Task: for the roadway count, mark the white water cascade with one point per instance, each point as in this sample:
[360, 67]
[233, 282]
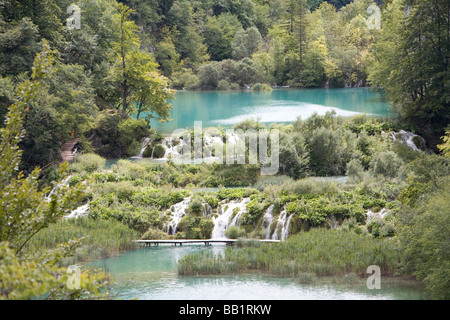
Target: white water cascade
[267, 221]
[283, 225]
[78, 212]
[285, 230]
[381, 214]
[280, 224]
[408, 139]
[226, 210]
[178, 211]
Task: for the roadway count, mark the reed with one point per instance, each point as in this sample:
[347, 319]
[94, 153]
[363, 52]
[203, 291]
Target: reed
[318, 252]
[102, 238]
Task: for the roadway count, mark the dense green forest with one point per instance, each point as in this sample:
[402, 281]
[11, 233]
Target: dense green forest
[125, 56]
[103, 82]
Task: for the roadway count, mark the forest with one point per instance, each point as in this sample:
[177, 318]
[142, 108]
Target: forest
[102, 83]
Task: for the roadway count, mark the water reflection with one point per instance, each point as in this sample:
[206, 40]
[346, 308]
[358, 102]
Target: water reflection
[150, 274]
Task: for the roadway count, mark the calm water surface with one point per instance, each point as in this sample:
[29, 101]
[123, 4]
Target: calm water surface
[150, 274]
[281, 105]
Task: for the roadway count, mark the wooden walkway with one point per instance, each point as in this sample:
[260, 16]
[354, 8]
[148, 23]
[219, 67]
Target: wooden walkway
[67, 149]
[207, 242]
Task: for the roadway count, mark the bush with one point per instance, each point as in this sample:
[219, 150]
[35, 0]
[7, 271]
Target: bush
[262, 87]
[88, 162]
[326, 152]
[234, 232]
[355, 170]
[117, 137]
[424, 238]
[158, 151]
[154, 234]
[386, 163]
[223, 85]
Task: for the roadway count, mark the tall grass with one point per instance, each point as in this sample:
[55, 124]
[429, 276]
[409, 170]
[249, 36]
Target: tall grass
[102, 238]
[318, 252]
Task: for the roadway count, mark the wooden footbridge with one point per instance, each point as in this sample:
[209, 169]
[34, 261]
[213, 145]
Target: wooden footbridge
[67, 150]
[207, 242]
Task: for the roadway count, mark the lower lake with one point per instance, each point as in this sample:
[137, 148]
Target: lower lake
[150, 273]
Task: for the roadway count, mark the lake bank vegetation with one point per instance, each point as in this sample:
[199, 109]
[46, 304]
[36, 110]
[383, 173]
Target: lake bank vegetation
[103, 83]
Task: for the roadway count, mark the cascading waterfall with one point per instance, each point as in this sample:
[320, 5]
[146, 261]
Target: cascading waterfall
[267, 221]
[207, 210]
[172, 149]
[408, 138]
[381, 214]
[222, 222]
[280, 224]
[178, 211]
[78, 212]
[285, 230]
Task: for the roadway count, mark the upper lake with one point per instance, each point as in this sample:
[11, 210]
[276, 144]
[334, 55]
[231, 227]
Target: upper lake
[227, 108]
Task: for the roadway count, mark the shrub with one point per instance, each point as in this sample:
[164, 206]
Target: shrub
[156, 151]
[89, 162]
[154, 234]
[159, 151]
[386, 163]
[223, 85]
[326, 152]
[234, 86]
[117, 137]
[262, 87]
[355, 170]
[234, 232]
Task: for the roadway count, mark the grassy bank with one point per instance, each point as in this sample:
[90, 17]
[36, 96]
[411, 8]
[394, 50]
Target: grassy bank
[318, 252]
[101, 238]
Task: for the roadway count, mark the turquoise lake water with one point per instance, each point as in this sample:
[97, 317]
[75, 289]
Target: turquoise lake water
[281, 105]
[151, 274]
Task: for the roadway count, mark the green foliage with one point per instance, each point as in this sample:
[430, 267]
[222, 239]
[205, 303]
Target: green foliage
[102, 238]
[219, 33]
[355, 170]
[196, 227]
[419, 95]
[234, 232]
[386, 164]
[117, 137]
[156, 151]
[42, 278]
[245, 43]
[445, 147]
[318, 252]
[262, 87]
[424, 238]
[25, 210]
[88, 162]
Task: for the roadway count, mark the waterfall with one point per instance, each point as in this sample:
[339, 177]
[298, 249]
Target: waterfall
[222, 222]
[283, 224]
[63, 183]
[171, 148]
[178, 211]
[206, 209]
[409, 139]
[79, 212]
[280, 223]
[381, 214]
[267, 221]
[144, 146]
[285, 230]
[333, 222]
